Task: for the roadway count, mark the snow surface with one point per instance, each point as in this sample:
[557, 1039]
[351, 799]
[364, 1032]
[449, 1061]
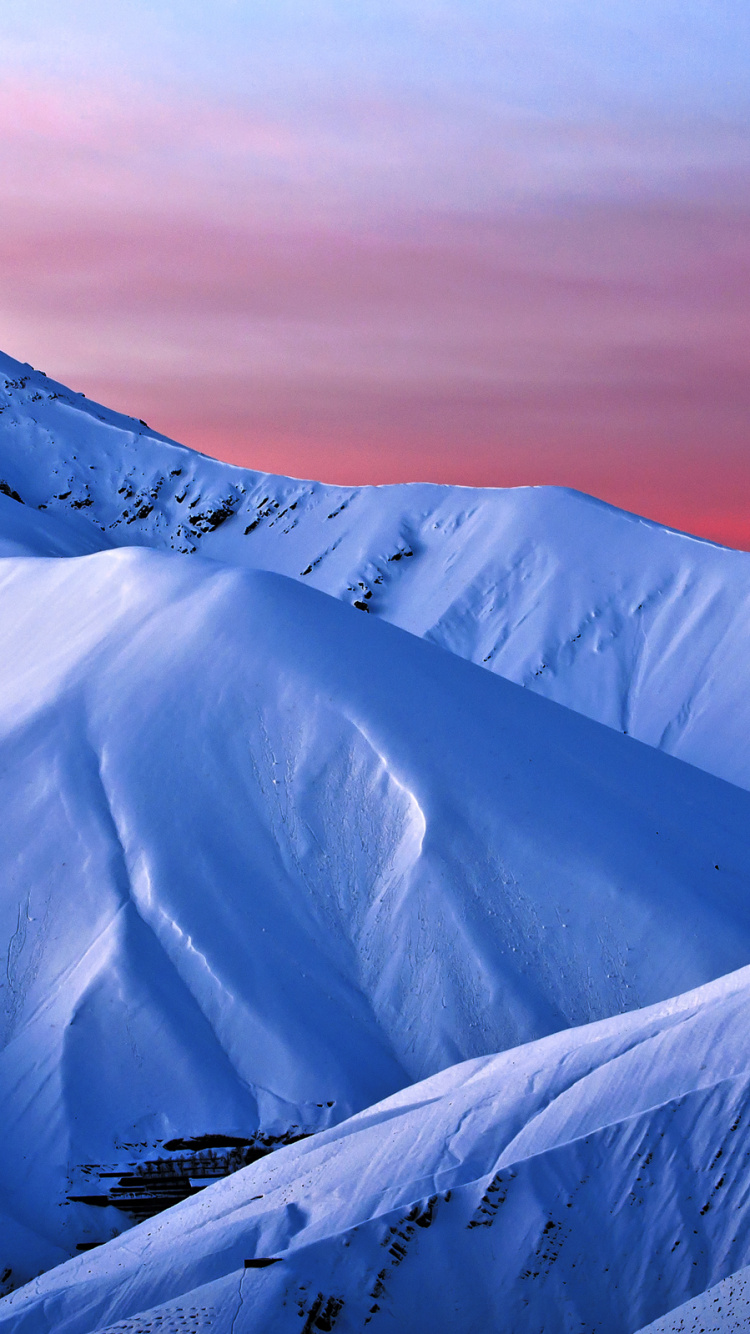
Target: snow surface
[723, 1309]
[588, 1182]
[266, 861]
[634, 625]
[25, 532]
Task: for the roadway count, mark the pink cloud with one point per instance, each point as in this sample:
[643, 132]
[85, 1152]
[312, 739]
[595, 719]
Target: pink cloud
[145, 255]
[110, 120]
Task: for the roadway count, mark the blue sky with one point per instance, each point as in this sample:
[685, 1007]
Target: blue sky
[554, 58]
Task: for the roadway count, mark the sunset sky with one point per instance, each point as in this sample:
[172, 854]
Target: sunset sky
[491, 242]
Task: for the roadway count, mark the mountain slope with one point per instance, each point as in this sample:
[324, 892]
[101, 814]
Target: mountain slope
[632, 624]
[721, 1309]
[266, 860]
[586, 1182]
[26, 532]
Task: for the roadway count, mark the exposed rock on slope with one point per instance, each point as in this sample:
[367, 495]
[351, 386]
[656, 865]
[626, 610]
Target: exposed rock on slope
[588, 1182]
[266, 860]
[722, 1309]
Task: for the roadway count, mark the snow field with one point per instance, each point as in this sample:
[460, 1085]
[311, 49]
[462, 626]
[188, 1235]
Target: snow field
[625, 621]
[588, 1181]
[268, 862]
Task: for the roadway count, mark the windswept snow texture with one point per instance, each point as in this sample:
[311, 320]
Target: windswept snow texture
[587, 1182]
[634, 625]
[265, 861]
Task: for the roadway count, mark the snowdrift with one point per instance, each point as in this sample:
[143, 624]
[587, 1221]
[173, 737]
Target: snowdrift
[266, 861]
[632, 624]
[589, 1181]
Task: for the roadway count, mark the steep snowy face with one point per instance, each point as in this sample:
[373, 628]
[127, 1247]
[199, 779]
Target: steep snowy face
[636, 626]
[590, 1181]
[266, 860]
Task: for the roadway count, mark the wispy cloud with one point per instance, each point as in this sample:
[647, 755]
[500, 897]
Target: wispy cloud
[393, 276]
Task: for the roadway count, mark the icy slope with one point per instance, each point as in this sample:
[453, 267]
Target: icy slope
[266, 860]
[587, 1182]
[639, 627]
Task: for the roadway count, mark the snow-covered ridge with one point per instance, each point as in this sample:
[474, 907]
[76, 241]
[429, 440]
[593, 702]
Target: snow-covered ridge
[723, 1308]
[591, 1181]
[266, 860]
[632, 624]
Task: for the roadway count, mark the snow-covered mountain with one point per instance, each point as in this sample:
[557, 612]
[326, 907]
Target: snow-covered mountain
[268, 860]
[723, 1308]
[591, 1181]
[634, 625]
[265, 861]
